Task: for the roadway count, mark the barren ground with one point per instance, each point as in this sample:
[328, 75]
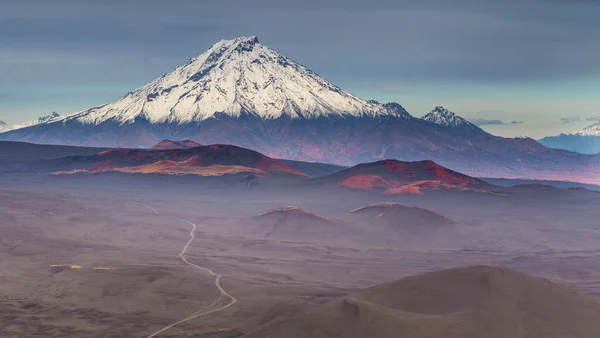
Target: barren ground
[143, 286]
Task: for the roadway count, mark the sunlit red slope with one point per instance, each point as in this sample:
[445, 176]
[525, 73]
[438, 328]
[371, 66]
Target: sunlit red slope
[212, 160]
[396, 177]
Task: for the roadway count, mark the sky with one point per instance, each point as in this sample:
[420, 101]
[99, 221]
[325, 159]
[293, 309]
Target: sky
[517, 68]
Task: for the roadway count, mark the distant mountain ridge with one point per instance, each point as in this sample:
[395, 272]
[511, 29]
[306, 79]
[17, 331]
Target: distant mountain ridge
[585, 140]
[592, 130]
[244, 93]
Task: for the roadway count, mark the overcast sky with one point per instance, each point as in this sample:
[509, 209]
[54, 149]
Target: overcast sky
[525, 67]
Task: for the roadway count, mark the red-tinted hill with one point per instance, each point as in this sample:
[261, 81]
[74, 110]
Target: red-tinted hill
[168, 144]
[396, 177]
[212, 160]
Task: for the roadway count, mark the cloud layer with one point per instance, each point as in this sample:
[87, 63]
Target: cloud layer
[486, 122]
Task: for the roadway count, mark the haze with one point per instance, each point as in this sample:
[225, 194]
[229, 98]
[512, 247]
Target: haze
[322, 169]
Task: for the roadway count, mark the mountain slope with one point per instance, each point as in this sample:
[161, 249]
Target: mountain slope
[243, 93]
[396, 177]
[477, 301]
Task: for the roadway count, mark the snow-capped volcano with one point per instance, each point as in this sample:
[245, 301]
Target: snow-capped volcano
[235, 77]
[593, 130]
[443, 117]
[243, 93]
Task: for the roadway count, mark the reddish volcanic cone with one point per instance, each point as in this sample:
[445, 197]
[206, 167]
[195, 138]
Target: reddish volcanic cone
[397, 177]
[213, 160]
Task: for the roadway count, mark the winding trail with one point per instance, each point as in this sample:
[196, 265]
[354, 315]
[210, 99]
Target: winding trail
[217, 305]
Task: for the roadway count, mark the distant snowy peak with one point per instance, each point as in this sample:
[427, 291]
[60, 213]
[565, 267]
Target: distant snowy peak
[235, 77]
[593, 130]
[443, 117]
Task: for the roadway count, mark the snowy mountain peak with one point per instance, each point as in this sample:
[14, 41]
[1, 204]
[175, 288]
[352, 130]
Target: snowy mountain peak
[235, 77]
[444, 113]
[593, 130]
[444, 117]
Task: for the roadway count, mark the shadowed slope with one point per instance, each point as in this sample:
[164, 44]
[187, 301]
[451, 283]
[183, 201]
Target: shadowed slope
[21, 151]
[479, 301]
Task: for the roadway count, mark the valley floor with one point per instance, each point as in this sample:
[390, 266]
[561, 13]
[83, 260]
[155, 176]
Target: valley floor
[87, 260]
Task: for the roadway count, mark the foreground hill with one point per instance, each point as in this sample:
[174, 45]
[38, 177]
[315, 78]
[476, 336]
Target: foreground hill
[475, 302]
[244, 93]
[393, 177]
[212, 160]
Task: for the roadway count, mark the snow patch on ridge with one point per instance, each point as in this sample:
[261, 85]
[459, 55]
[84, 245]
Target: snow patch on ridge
[593, 130]
[443, 117]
